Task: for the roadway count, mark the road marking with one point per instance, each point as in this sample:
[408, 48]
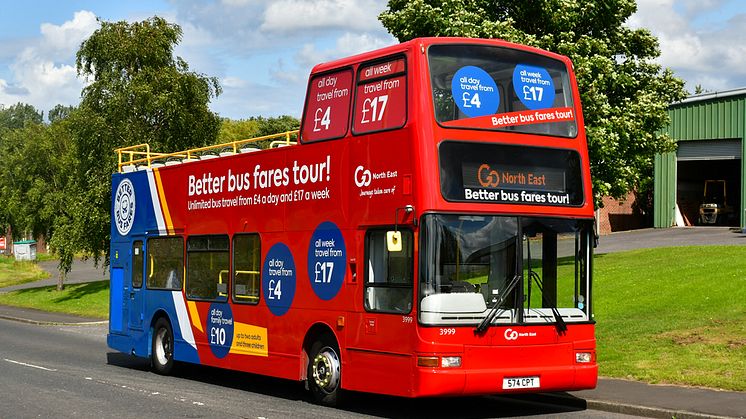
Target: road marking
[29, 365]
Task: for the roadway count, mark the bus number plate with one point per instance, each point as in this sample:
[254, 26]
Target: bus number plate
[520, 382]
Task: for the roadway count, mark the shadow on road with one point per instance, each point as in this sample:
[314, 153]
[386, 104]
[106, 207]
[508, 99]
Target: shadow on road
[371, 404]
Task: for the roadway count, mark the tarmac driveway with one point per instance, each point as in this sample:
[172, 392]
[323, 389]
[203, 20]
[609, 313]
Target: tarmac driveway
[665, 237]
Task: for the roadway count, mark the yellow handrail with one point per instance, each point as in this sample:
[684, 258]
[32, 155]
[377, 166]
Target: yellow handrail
[140, 154]
[253, 274]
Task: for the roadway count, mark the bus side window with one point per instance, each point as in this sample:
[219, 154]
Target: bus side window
[165, 263]
[247, 269]
[137, 264]
[388, 284]
[207, 267]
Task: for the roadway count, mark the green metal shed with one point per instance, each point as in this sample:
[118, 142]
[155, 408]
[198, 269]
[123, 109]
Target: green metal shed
[709, 130]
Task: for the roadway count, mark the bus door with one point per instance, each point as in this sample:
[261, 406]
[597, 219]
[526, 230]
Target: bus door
[118, 304]
[387, 319]
[134, 280]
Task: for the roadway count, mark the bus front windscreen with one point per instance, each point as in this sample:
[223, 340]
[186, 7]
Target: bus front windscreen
[510, 269]
[495, 88]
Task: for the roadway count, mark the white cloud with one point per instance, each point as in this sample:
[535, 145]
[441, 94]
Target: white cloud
[43, 73]
[356, 43]
[66, 38]
[281, 74]
[298, 15]
[233, 83]
[345, 45]
[262, 51]
[696, 41]
[236, 3]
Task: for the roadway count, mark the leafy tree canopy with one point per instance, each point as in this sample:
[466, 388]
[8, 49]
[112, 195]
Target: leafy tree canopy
[142, 90]
[60, 112]
[256, 126]
[138, 93]
[624, 94]
[16, 116]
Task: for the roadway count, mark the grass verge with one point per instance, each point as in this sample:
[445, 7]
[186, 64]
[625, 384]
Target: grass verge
[673, 315]
[89, 300]
[13, 272]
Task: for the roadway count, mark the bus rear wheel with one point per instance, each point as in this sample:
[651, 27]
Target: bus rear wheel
[162, 353]
[325, 372]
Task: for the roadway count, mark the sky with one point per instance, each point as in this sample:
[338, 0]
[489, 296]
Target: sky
[262, 51]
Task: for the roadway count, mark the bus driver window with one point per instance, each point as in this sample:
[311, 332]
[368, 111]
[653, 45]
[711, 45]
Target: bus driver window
[388, 285]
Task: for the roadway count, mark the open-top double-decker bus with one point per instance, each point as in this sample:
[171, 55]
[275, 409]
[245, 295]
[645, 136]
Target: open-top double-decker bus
[428, 232]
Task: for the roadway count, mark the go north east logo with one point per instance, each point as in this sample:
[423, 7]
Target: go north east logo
[487, 177]
[124, 207]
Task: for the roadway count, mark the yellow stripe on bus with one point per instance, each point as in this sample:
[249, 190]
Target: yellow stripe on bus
[194, 315]
[164, 204]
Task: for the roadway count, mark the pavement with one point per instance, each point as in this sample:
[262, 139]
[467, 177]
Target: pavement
[611, 395]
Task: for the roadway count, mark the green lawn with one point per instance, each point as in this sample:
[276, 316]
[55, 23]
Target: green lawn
[14, 273]
[673, 315]
[90, 300]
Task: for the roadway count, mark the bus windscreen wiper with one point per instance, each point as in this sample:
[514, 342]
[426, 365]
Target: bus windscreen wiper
[484, 324]
[559, 321]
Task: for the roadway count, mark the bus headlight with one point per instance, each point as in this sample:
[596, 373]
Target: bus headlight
[450, 362]
[583, 357]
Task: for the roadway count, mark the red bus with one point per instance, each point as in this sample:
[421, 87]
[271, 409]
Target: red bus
[428, 232]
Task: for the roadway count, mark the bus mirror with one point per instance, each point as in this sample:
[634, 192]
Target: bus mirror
[393, 241]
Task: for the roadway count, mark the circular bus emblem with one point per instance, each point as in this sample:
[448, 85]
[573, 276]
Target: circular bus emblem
[124, 207]
[488, 177]
[511, 334]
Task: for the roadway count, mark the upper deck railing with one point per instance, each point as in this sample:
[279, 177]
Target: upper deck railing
[139, 156]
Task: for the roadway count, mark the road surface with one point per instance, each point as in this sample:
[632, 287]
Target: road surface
[67, 371]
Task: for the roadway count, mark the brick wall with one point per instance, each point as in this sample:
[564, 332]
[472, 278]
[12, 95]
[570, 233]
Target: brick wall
[621, 215]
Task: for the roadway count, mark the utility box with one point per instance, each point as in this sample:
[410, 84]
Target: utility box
[25, 250]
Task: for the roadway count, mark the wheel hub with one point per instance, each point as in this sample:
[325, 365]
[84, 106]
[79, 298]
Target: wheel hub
[326, 370]
[162, 347]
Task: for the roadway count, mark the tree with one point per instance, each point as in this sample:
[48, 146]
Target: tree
[18, 115]
[232, 130]
[698, 90]
[625, 96]
[256, 126]
[13, 118]
[138, 93]
[60, 112]
[35, 180]
[142, 90]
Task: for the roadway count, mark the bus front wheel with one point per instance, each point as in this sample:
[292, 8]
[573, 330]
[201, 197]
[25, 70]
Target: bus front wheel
[325, 371]
[162, 354]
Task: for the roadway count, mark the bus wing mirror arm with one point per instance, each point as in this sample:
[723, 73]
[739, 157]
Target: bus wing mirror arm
[393, 238]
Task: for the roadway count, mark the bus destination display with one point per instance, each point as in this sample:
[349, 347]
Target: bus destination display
[513, 184]
[509, 174]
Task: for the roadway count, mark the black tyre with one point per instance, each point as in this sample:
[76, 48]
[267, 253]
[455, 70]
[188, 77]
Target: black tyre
[325, 371]
[162, 353]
